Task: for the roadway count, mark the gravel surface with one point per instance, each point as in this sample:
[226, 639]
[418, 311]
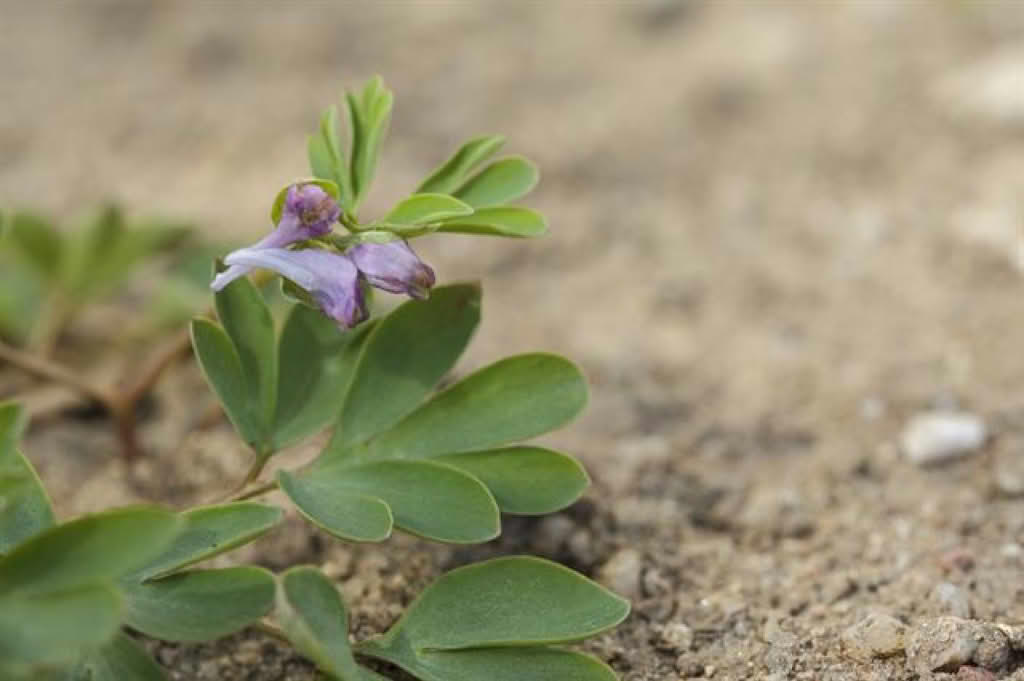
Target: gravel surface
[780, 233]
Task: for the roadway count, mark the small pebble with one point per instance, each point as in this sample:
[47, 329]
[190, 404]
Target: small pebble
[877, 635]
[967, 673]
[676, 636]
[948, 643]
[934, 437]
[621, 573]
[952, 600]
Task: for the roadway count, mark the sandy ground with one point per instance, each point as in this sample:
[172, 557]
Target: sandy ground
[778, 232]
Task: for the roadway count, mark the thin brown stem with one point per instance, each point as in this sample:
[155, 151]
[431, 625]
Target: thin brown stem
[58, 373]
[254, 492]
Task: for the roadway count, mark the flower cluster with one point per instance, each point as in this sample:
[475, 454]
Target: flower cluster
[333, 279]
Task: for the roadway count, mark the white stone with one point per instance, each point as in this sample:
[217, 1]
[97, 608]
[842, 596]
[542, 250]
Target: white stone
[938, 436]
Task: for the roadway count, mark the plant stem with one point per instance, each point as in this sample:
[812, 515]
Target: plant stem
[254, 492]
[58, 373]
[271, 630]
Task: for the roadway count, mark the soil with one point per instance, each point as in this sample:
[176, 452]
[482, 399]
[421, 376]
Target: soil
[779, 231]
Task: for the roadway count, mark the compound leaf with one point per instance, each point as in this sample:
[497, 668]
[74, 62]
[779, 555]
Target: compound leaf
[509, 401]
[421, 209]
[499, 182]
[510, 221]
[404, 358]
[450, 175]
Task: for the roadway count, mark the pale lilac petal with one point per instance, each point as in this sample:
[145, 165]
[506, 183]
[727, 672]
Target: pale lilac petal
[229, 275]
[331, 278]
[393, 267]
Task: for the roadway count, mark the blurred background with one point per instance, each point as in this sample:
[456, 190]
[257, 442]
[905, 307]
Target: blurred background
[778, 231]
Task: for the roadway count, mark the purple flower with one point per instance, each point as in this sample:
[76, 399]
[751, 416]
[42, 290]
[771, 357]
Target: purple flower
[393, 267]
[331, 278]
[308, 212]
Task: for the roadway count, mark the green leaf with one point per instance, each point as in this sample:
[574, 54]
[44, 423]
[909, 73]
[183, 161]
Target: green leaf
[428, 499]
[316, 363]
[509, 401]
[326, 159]
[25, 509]
[421, 209]
[38, 242]
[498, 664]
[450, 175]
[314, 618]
[199, 605]
[525, 480]
[348, 516]
[93, 547]
[511, 221]
[404, 358]
[247, 321]
[120, 660]
[370, 115]
[277, 207]
[210, 531]
[513, 601]
[223, 370]
[499, 182]
[54, 628]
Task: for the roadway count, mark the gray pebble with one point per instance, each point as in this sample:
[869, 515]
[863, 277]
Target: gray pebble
[877, 635]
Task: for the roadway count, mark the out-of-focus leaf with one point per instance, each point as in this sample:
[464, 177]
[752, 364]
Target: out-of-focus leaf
[525, 480]
[404, 358]
[94, 547]
[55, 628]
[450, 175]
[25, 509]
[209, 531]
[499, 182]
[37, 241]
[120, 660]
[510, 221]
[199, 605]
[509, 401]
